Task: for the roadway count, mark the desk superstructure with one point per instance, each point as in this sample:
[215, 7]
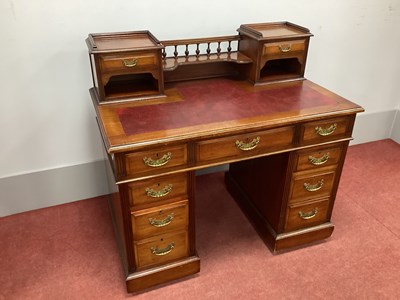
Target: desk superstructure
[240, 100]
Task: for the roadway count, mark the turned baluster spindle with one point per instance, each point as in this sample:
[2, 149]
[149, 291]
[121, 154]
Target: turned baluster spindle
[176, 51]
[197, 50]
[219, 48]
[229, 48]
[187, 51]
[164, 54]
[208, 49]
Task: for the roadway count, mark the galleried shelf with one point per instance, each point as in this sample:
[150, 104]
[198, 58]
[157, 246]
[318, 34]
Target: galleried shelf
[135, 65]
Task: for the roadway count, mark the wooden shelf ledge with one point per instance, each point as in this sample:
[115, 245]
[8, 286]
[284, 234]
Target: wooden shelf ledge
[171, 63]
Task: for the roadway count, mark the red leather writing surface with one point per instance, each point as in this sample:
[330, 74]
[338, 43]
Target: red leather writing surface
[218, 100]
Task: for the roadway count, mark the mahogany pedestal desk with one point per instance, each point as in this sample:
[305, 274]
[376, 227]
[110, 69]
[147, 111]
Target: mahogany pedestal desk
[285, 143]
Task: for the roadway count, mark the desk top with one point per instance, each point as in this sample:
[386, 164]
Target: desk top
[213, 107]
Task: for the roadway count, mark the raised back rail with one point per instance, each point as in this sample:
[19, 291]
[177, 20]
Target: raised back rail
[201, 50]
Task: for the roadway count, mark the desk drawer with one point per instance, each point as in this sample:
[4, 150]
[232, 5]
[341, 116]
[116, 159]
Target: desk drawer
[326, 130]
[245, 145]
[129, 63]
[284, 49]
[157, 189]
[159, 220]
[155, 160]
[305, 215]
[161, 249]
[311, 186]
[315, 158]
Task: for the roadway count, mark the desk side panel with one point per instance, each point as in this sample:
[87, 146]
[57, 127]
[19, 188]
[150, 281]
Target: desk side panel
[116, 211]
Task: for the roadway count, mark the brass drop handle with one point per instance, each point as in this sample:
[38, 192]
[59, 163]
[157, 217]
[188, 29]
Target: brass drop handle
[285, 48]
[130, 63]
[247, 146]
[314, 187]
[163, 251]
[317, 161]
[325, 131]
[160, 193]
[162, 223]
[157, 162]
[308, 215]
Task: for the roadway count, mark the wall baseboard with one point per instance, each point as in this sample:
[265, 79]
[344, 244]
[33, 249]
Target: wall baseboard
[52, 187]
[62, 185]
[395, 135]
[373, 126]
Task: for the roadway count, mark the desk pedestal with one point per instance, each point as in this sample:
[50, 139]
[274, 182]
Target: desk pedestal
[288, 206]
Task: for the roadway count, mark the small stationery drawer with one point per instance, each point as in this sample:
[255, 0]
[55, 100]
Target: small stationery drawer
[161, 249]
[318, 157]
[155, 160]
[310, 214]
[127, 63]
[249, 144]
[157, 189]
[326, 130]
[306, 186]
[284, 48]
[158, 220]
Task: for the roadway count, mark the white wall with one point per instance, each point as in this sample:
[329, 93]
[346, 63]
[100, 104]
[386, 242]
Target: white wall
[47, 120]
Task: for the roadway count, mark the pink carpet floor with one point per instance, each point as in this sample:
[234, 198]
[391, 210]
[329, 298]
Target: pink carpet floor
[69, 251]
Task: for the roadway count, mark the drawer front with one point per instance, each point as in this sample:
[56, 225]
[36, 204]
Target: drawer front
[159, 220]
[305, 215]
[161, 249]
[318, 157]
[284, 48]
[157, 189]
[325, 130]
[245, 145]
[155, 160]
[127, 63]
[314, 186]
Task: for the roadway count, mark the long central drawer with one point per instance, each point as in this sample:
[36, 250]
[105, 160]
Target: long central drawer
[244, 145]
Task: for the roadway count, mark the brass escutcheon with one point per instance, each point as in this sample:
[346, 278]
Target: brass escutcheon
[314, 187]
[164, 251]
[160, 193]
[325, 131]
[157, 162]
[130, 63]
[162, 223]
[308, 215]
[247, 146]
[285, 48]
[317, 161]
